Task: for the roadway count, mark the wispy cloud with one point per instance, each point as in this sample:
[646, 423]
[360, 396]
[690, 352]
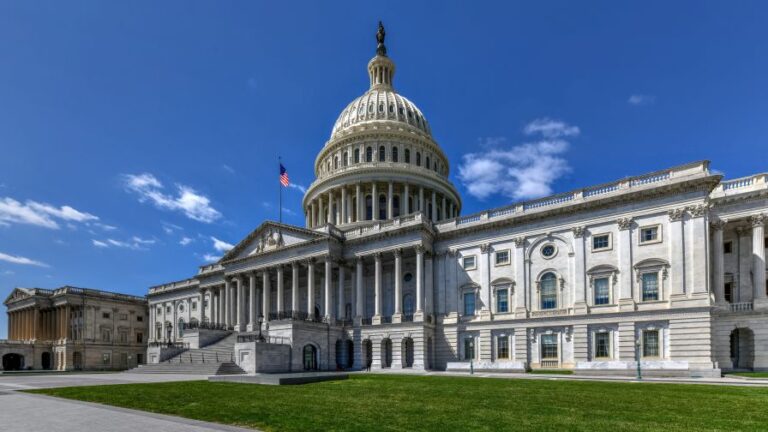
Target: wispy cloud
[191, 203]
[641, 99]
[211, 258]
[185, 241]
[220, 245]
[521, 171]
[135, 243]
[170, 228]
[40, 214]
[228, 168]
[105, 227]
[298, 187]
[16, 259]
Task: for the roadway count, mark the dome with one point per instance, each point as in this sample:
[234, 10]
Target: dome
[380, 105]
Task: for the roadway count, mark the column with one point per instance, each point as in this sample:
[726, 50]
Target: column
[232, 297]
[421, 202]
[328, 307]
[718, 278]
[374, 202]
[240, 304]
[443, 209]
[397, 317]
[313, 215]
[626, 302]
[294, 287]
[280, 291]
[419, 283]
[758, 258]
[579, 282]
[252, 311]
[377, 288]
[404, 204]
[266, 291]
[35, 325]
[320, 210]
[359, 202]
[343, 206]
[434, 206]
[484, 265]
[341, 301]
[359, 306]
[223, 301]
[699, 267]
[331, 213]
[202, 305]
[174, 322]
[67, 314]
[390, 193]
[677, 256]
[311, 288]
[521, 311]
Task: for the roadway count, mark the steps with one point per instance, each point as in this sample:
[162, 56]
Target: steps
[214, 359]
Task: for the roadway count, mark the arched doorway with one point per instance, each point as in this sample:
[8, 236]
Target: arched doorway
[742, 348]
[407, 352]
[350, 354]
[45, 361]
[181, 328]
[168, 332]
[13, 361]
[367, 353]
[386, 353]
[310, 357]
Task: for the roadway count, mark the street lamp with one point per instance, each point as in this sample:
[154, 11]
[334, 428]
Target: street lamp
[639, 372]
[261, 321]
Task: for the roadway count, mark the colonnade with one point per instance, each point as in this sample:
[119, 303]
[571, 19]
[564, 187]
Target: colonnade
[377, 201]
[245, 298]
[757, 267]
[39, 324]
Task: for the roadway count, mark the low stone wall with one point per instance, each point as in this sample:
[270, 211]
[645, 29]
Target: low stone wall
[157, 354]
[203, 337]
[263, 357]
[487, 366]
[659, 368]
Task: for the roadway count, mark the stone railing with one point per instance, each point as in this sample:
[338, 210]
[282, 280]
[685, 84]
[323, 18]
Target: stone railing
[741, 185]
[210, 268]
[186, 283]
[96, 293]
[577, 196]
[378, 226]
[262, 338]
[551, 313]
[741, 307]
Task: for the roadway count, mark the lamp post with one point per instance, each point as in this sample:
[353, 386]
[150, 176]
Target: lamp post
[639, 372]
[261, 321]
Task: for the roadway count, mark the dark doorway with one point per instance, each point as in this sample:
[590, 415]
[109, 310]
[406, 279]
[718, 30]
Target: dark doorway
[350, 354]
[46, 361]
[407, 353]
[367, 353]
[13, 361]
[310, 357]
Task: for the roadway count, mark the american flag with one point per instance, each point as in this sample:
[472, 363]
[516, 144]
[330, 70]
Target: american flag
[284, 176]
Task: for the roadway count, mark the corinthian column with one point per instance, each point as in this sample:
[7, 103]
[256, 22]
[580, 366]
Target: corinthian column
[397, 317]
[419, 283]
[377, 288]
[311, 288]
[327, 290]
[758, 258]
[240, 305]
[359, 308]
[718, 279]
[266, 291]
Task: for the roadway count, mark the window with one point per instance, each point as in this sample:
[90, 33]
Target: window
[502, 347]
[408, 304]
[469, 263]
[357, 155]
[408, 277]
[602, 345]
[728, 247]
[651, 343]
[382, 154]
[650, 234]
[106, 359]
[194, 306]
[601, 242]
[369, 154]
[650, 286]
[168, 309]
[123, 337]
[139, 337]
[469, 303]
[549, 347]
[123, 317]
[502, 300]
[548, 251]
[602, 291]
[394, 154]
[106, 336]
[502, 257]
[140, 318]
[407, 155]
[548, 287]
[426, 165]
[106, 315]
[728, 291]
[181, 308]
[336, 162]
[469, 348]
[418, 159]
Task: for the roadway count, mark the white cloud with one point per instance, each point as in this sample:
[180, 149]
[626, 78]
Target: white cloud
[99, 243]
[192, 204]
[39, 214]
[298, 187]
[15, 259]
[211, 258]
[135, 243]
[228, 168]
[170, 228]
[185, 241]
[519, 172]
[105, 227]
[221, 246]
[641, 99]
[549, 128]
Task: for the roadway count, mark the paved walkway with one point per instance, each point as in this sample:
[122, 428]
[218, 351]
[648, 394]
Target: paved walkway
[31, 412]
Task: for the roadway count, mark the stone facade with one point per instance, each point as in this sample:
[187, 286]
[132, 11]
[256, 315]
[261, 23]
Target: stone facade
[665, 268]
[74, 329]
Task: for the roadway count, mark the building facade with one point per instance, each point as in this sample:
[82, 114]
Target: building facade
[666, 268]
[73, 328]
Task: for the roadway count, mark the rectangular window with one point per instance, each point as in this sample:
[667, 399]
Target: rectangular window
[649, 234]
[168, 309]
[651, 343]
[602, 345]
[469, 348]
[123, 317]
[469, 263]
[502, 257]
[105, 315]
[106, 336]
[650, 286]
[728, 247]
[549, 347]
[194, 306]
[139, 318]
[502, 301]
[139, 337]
[469, 304]
[602, 291]
[728, 289]
[106, 359]
[123, 337]
[601, 242]
[502, 347]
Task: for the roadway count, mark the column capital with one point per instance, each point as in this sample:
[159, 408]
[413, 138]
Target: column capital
[377, 256]
[359, 259]
[294, 265]
[398, 252]
[718, 224]
[624, 223]
[419, 249]
[757, 220]
[578, 231]
[676, 215]
[698, 210]
[519, 241]
[485, 247]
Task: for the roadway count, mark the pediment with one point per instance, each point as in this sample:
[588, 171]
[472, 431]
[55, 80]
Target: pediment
[17, 294]
[268, 237]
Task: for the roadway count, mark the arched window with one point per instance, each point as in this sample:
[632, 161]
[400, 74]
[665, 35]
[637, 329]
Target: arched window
[394, 154]
[382, 207]
[435, 166]
[382, 154]
[357, 155]
[336, 162]
[181, 327]
[391, 108]
[345, 159]
[548, 291]
[395, 206]
[426, 165]
[418, 159]
[368, 207]
[407, 156]
[369, 154]
[310, 357]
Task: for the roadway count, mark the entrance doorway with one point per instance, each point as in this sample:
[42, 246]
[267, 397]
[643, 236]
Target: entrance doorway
[407, 353]
[350, 354]
[46, 361]
[386, 353]
[742, 348]
[13, 361]
[310, 357]
[367, 353]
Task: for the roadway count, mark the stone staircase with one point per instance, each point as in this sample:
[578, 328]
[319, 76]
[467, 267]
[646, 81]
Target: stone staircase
[214, 359]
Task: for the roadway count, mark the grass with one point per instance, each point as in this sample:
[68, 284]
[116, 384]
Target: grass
[751, 374]
[551, 371]
[430, 403]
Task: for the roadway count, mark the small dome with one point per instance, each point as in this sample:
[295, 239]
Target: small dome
[380, 105]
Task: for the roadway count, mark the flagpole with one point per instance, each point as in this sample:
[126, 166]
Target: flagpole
[280, 187]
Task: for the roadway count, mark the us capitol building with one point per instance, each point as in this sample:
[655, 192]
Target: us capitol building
[666, 268]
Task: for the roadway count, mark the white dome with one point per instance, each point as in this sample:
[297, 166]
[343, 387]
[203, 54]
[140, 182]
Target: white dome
[380, 105]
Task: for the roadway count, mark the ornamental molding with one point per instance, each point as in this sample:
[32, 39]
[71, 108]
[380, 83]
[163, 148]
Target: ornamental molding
[624, 223]
[676, 215]
[757, 220]
[578, 232]
[519, 241]
[485, 248]
[718, 224]
[698, 210]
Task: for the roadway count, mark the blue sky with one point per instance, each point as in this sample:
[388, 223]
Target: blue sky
[139, 139]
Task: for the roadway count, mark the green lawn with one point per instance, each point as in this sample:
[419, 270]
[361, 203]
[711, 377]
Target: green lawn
[751, 374]
[429, 403]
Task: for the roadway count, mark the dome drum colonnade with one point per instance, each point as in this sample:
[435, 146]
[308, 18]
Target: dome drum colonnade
[381, 161]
